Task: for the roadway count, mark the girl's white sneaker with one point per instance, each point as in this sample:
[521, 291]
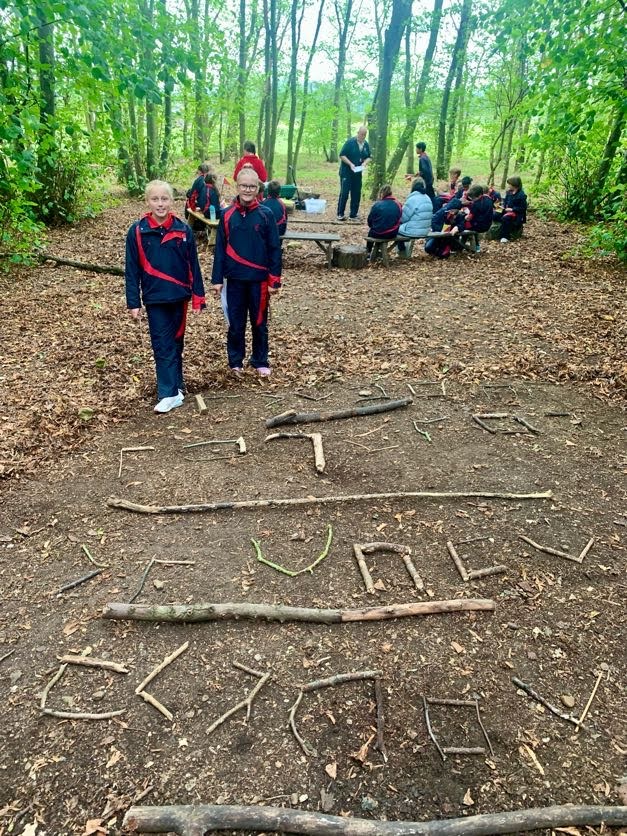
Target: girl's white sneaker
[166, 404]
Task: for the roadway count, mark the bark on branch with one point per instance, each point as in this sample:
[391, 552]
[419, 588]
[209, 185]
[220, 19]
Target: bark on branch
[191, 613]
[293, 417]
[197, 820]
[127, 505]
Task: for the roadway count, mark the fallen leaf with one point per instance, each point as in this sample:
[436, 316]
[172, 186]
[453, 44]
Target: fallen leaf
[468, 799]
[378, 584]
[528, 752]
[331, 770]
[94, 826]
[458, 648]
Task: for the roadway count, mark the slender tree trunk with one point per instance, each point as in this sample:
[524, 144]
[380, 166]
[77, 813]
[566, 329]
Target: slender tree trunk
[295, 30]
[46, 144]
[343, 20]
[521, 152]
[185, 122]
[540, 168]
[241, 74]
[611, 146]
[508, 154]
[407, 91]
[168, 89]
[401, 12]
[135, 139]
[306, 94]
[412, 116]
[456, 58]
[126, 171]
[273, 110]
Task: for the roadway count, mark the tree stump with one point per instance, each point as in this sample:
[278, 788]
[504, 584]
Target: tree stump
[350, 257]
[494, 233]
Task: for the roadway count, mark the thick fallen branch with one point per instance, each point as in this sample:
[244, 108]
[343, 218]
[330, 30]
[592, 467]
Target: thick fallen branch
[192, 613]
[293, 417]
[127, 505]
[82, 265]
[197, 820]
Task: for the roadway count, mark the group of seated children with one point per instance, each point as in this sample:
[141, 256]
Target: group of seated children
[204, 197]
[463, 208]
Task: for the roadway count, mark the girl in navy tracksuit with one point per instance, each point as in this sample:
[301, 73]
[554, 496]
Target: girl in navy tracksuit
[384, 218]
[514, 213]
[276, 205]
[197, 193]
[162, 271]
[248, 259]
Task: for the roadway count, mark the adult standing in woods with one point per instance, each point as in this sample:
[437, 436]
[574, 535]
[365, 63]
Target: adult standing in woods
[354, 157]
[250, 157]
[425, 170]
[246, 271]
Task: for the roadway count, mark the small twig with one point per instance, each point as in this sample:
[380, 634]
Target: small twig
[431, 420]
[382, 390]
[6, 655]
[483, 426]
[316, 440]
[175, 562]
[411, 389]
[430, 730]
[44, 694]
[92, 662]
[548, 549]
[167, 661]
[91, 559]
[307, 749]
[557, 414]
[143, 580]
[156, 704]
[423, 433]
[131, 450]
[79, 581]
[526, 424]
[485, 734]
[378, 695]
[584, 713]
[200, 404]
[239, 441]
[312, 397]
[291, 572]
[83, 715]
[338, 679]
[252, 671]
[474, 574]
[245, 703]
[492, 415]
[535, 696]
[369, 432]
[464, 750]
[444, 701]
[363, 568]
[585, 550]
[457, 561]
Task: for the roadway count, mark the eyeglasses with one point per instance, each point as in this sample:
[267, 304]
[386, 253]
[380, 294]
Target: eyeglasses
[247, 187]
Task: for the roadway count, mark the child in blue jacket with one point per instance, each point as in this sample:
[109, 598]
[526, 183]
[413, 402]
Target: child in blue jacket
[276, 205]
[163, 272]
[514, 213]
[248, 259]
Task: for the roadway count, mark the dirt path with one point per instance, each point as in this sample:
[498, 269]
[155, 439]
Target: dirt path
[515, 330]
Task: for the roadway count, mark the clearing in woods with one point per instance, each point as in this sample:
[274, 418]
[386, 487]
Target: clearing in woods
[527, 331]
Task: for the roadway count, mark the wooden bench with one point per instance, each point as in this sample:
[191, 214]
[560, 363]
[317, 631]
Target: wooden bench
[208, 234]
[383, 246]
[324, 240]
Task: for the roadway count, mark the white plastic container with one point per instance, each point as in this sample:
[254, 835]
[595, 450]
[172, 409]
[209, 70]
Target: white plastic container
[315, 206]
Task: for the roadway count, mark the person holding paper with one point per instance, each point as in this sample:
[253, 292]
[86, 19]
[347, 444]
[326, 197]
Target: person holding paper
[354, 157]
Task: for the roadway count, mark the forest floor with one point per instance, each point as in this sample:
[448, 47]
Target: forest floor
[528, 329]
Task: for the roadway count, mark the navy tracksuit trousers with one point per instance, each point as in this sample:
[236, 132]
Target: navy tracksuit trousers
[247, 300]
[166, 322]
[351, 184]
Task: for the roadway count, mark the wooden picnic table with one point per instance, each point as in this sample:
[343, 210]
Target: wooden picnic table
[212, 226]
[384, 246]
[324, 240]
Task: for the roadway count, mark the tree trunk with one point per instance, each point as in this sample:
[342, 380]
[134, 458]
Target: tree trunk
[134, 139]
[241, 74]
[401, 12]
[521, 152]
[343, 17]
[168, 89]
[456, 58]
[46, 146]
[412, 115]
[507, 155]
[306, 94]
[611, 146]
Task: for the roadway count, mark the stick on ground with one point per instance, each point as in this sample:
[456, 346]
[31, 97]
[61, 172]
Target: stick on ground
[167, 661]
[246, 702]
[200, 819]
[204, 507]
[130, 450]
[316, 440]
[293, 417]
[193, 613]
[535, 696]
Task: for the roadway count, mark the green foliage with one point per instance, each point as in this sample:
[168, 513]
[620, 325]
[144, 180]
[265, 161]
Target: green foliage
[56, 196]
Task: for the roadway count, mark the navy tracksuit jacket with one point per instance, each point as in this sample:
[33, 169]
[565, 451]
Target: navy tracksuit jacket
[279, 211]
[248, 259]
[162, 271]
[384, 218]
[514, 213]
